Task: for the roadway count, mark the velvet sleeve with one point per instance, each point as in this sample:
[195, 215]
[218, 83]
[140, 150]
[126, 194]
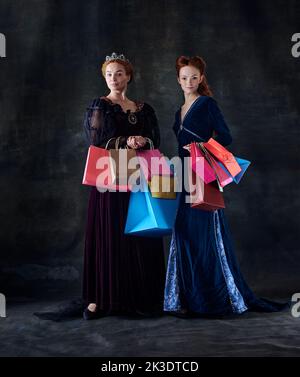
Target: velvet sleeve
[223, 135]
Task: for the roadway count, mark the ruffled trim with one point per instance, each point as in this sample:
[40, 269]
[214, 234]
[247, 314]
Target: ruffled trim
[96, 104]
[118, 108]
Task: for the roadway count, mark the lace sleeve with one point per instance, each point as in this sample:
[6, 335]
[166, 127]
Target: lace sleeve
[98, 131]
[93, 121]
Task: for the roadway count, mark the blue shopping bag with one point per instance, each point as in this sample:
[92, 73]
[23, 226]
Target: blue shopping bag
[244, 164]
[148, 216]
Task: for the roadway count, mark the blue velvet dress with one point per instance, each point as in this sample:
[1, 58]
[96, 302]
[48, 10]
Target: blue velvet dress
[203, 275]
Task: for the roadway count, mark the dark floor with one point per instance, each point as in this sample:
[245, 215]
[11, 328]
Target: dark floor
[251, 334]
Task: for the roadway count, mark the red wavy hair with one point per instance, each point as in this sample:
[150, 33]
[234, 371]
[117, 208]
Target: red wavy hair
[199, 63]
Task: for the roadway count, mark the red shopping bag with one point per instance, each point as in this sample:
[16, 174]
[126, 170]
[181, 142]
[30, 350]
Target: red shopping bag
[204, 196]
[223, 155]
[91, 171]
[222, 176]
[200, 165]
[98, 171]
[206, 166]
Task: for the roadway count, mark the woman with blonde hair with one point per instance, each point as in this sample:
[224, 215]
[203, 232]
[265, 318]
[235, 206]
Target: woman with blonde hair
[122, 274]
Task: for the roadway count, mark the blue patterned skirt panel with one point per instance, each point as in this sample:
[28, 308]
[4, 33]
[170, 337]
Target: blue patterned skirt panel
[203, 274]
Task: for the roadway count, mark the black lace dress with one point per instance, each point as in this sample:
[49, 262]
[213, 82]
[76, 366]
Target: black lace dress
[122, 273]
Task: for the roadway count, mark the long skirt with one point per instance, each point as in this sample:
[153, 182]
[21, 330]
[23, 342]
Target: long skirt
[203, 275]
[122, 274]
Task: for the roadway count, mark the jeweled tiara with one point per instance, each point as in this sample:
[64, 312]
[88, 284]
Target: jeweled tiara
[115, 56]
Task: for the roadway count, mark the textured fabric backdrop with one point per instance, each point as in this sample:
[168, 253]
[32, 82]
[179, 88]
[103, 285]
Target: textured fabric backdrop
[50, 74]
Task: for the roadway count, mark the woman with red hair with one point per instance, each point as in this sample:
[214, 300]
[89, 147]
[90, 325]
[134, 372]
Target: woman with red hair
[203, 276]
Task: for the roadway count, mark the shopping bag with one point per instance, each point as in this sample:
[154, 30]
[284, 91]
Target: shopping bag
[153, 162]
[205, 196]
[162, 186]
[91, 171]
[223, 177]
[200, 165]
[244, 164]
[123, 165]
[158, 173]
[223, 155]
[148, 216]
[208, 168]
[98, 171]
